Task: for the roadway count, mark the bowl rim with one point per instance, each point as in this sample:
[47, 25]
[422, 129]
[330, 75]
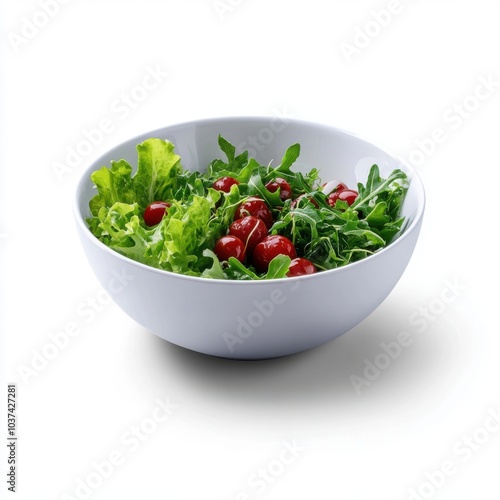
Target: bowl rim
[85, 175]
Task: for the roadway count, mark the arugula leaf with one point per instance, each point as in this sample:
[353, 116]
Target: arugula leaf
[239, 167]
[324, 252]
[256, 187]
[278, 267]
[237, 270]
[227, 148]
[299, 182]
[378, 217]
[370, 237]
[299, 224]
[380, 189]
[291, 154]
[381, 200]
[391, 229]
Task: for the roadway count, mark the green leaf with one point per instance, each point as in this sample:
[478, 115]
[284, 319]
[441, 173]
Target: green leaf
[278, 267]
[189, 183]
[214, 272]
[391, 229]
[121, 229]
[377, 217]
[184, 232]
[113, 184]
[240, 271]
[227, 148]
[299, 225]
[241, 173]
[377, 187]
[324, 252]
[291, 154]
[371, 237]
[256, 187]
[157, 170]
[224, 215]
[299, 182]
[236, 166]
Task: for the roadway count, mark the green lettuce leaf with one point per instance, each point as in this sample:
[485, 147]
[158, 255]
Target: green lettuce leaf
[121, 229]
[184, 232]
[157, 170]
[113, 184]
[215, 271]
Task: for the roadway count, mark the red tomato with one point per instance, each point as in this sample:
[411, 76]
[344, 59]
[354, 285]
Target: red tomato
[282, 185]
[270, 247]
[224, 184]
[333, 186]
[250, 230]
[301, 266]
[256, 207]
[154, 212]
[230, 246]
[348, 195]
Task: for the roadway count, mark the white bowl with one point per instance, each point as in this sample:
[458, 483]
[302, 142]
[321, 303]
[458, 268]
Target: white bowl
[256, 319]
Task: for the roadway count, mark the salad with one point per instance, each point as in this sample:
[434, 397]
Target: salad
[240, 219]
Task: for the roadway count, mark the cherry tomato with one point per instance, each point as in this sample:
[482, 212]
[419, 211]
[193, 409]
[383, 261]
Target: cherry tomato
[348, 195]
[256, 207]
[250, 230]
[154, 212]
[224, 184]
[300, 266]
[230, 246]
[333, 186]
[268, 248]
[282, 185]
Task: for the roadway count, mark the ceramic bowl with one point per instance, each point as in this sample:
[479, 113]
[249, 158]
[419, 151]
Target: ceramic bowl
[256, 319]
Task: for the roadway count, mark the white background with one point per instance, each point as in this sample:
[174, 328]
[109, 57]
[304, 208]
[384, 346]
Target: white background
[232, 419]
